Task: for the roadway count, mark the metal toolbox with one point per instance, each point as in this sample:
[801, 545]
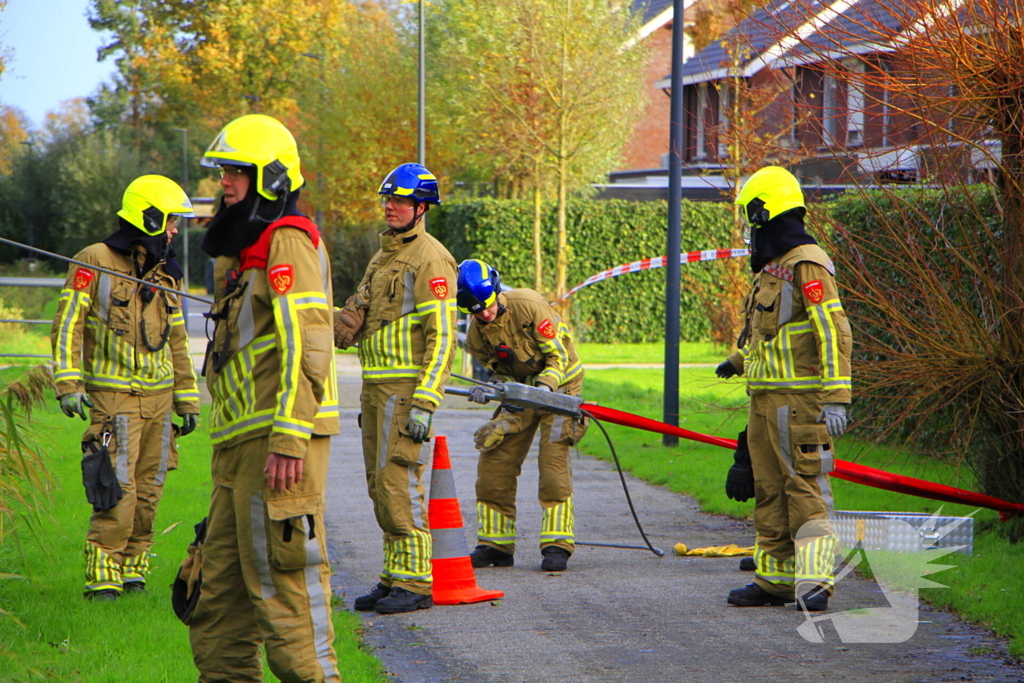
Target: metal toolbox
[881, 531]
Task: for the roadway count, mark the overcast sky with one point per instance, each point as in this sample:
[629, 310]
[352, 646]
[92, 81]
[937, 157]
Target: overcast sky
[52, 55]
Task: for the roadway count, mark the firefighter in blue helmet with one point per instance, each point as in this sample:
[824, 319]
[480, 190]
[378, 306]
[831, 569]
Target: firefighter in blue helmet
[403, 316]
[518, 337]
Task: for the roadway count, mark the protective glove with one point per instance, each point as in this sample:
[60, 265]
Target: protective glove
[188, 424]
[75, 403]
[725, 370]
[101, 485]
[480, 394]
[834, 417]
[543, 386]
[348, 321]
[739, 483]
[419, 424]
[491, 434]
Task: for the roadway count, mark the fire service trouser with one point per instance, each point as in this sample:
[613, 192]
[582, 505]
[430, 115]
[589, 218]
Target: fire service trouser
[265, 573]
[142, 451]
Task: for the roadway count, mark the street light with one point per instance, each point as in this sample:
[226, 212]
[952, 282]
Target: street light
[184, 231]
[319, 146]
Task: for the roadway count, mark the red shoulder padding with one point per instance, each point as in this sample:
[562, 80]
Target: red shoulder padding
[255, 255]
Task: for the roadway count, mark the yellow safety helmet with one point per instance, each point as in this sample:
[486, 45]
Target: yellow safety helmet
[264, 143]
[150, 199]
[769, 193]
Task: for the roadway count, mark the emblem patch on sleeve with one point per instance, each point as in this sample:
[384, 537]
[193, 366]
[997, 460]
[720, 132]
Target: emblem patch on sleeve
[82, 278]
[814, 291]
[281, 277]
[439, 286]
[547, 328]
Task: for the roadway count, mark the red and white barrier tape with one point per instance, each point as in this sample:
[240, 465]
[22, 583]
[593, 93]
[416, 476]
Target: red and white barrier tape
[657, 262]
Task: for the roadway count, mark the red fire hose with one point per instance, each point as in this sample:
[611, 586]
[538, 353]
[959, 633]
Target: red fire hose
[848, 471]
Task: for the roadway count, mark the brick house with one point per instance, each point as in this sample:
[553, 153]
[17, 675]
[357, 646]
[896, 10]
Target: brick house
[811, 75]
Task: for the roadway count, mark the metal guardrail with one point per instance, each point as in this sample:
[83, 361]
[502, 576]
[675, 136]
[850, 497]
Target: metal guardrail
[55, 282]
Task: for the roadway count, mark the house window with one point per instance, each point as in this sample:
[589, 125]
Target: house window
[887, 138]
[700, 133]
[855, 102]
[831, 111]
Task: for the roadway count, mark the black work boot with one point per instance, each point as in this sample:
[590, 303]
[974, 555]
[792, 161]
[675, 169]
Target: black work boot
[486, 556]
[747, 564]
[555, 559]
[366, 603]
[812, 597]
[105, 595]
[753, 595]
[402, 600]
[134, 587]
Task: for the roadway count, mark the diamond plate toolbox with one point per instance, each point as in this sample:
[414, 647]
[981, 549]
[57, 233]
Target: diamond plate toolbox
[883, 531]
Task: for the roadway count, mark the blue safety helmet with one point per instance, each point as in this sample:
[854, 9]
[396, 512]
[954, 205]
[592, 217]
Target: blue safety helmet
[411, 180]
[478, 286]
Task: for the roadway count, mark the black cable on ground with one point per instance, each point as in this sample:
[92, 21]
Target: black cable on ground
[657, 551]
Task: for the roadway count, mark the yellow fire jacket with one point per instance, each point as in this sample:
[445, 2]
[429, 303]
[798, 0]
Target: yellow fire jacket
[796, 337]
[112, 334]
[270, 366]
[409, 331]
[527, 343]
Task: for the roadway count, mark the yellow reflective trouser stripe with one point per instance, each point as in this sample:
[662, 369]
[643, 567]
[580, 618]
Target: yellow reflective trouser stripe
[442, 312]
[74, 304]
[494, 527]
[101, 571]
[409, 557]
[558, 523]
[770, 569]
[815, 559]
[136, 568]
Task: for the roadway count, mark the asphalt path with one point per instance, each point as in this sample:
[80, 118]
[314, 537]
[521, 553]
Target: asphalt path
[616, 615]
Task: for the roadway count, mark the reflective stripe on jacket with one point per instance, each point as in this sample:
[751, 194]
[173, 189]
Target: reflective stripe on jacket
[409, 331]
[799, 336]
[541, 350]
[109, 336]
[270, 367]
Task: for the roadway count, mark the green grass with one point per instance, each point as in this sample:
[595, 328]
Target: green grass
[645, 354]
[987, 588]
[61, 636]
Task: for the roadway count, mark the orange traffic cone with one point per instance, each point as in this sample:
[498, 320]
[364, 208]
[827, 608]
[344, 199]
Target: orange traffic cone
[454, 581]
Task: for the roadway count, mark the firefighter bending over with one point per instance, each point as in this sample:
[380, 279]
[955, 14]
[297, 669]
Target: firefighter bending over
[518, 337]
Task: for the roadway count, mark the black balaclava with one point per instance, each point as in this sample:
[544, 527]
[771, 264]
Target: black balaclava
[233, 228]
[157, 247]
[777, 237]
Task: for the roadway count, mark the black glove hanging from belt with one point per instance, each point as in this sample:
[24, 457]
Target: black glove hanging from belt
[101, 485]
[739, 483]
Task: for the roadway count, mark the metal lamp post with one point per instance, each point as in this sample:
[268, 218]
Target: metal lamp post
[184, 228]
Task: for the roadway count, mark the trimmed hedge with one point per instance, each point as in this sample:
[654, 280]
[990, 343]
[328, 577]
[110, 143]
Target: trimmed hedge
[601, 235]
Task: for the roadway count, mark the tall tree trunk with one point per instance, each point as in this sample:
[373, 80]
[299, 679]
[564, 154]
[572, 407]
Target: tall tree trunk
[538, 265]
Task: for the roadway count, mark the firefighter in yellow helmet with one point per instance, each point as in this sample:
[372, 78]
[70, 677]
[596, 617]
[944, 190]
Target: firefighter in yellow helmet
[121, 349]
[406, 307]
[794, 351]
[270, 371]
[516, 335]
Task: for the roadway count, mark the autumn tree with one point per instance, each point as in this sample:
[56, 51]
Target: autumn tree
[14, 131]
[547, 89]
